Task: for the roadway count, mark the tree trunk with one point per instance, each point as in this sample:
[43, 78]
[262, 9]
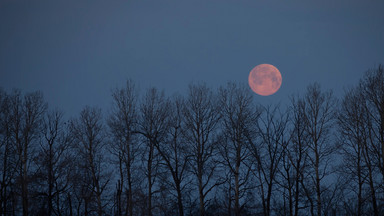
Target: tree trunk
[149, 169]
[118, 197]
[201, 193]
[297, 191]
[179, 199]
[269, 196]
[318, 189]
[370, 179]
[24, 184]
[130, 196]
[360, 182]
[237, 187]
[290, 200]
[50, 181]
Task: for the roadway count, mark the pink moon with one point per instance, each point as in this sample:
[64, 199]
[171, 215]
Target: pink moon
[265, 79]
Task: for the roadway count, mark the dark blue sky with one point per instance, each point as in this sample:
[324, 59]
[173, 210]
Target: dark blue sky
[77, 51]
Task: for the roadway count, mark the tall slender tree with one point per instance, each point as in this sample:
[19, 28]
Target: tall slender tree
[174, 153]
[88, 137]
[362, 125]
[8, 163]
[320, 117]
[201, 115]
[238, 118]
[125, 146]
[153, 126]
[27, 115]
[268, 150]
[295, 161]
[372, 86]
[353, 134]
[54, 162]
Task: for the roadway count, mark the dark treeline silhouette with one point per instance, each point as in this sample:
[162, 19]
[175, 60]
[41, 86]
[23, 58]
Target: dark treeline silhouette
[209, 152]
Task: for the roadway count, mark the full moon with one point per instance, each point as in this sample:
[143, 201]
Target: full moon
[265, 79]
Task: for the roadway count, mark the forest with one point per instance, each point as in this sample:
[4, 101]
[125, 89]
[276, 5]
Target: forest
[209, 152]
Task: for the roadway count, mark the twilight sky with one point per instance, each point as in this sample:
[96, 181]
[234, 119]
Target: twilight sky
[75, 51]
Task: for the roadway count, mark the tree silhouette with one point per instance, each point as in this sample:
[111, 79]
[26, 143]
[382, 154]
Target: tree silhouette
[88, 137]
[153, 126]
[123, 124]
[201, 115]
[320, 116]
[210, 152]
[238, 119]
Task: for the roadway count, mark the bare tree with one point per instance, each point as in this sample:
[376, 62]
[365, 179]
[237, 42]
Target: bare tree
[174, 153]
[361, 123]
[320, 116]
[238, 118]
[8, 163]
[354, 136]
[241, 159]
[153, 126]
[125, 146]
[362, 120]
[373, 91]
[54, 162]
[201, 115]
[26, 117]
[295, 156]
[268, 150]
[88, 136]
